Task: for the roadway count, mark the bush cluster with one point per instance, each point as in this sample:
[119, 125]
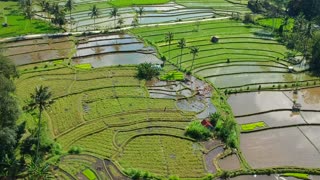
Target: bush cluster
[197, 131]
[147, 71]
[137, 174]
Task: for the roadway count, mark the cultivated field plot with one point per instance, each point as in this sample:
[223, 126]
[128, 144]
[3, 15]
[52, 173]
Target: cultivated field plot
[245, 55]
[274, 119]
[110, 50]
[308, 98]
[153, 14]
[282, 147]
[38, 50]
[105, 111]
[257, 102]
[176, 156]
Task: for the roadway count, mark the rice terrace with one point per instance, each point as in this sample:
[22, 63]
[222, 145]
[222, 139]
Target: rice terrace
[160, 89]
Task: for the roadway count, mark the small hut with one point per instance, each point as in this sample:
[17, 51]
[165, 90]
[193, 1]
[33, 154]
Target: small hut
[206, 123]
[214, 39]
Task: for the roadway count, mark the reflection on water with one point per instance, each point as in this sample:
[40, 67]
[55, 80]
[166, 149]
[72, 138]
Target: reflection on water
[118, 59]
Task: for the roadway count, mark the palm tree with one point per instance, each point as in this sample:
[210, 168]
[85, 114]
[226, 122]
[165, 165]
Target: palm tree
[194, 51]
[181, 45]
[140, 12]
[120, 22]
[113, 14]
[47, 9]
[41, 99]
[69, 7]
[94, 14]
[169, 38]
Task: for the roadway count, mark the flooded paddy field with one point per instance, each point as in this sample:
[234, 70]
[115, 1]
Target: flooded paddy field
[230, 162]
[110, 50]
[279, 147]
[274, 119]
[153, 14]
[308, 98]
[256, 102]
[38, 50]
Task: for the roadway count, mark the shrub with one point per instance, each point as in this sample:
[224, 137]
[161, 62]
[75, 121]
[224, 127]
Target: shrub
[147, 71]
[197, 131]
[136, 174]
[259, 88]
[248, 18]
[75, 150]
[214, 118]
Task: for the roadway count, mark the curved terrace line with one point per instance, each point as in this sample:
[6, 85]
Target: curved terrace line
[233, 65]
[244, 72]
[264, 83]
[218, 62]
[274, 110]
[280, 127]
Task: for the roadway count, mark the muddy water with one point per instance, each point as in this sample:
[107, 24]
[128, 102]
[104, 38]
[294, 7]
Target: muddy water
[274, 119]
[39, 56]
[230, 163]
[279, 147]
[107, 42]
[209, 159]
[311, 117]
[312, 132]
[248, 103]
[118, 59]
[193, 104]
[109, 49]
[308, 98]
[31, 51]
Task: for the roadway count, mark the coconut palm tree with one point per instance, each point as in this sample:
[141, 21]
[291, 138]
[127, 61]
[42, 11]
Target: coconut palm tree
[140, 12]
[41, 99]
[181, 45]
[113, 14]
[120, 22]
[169, 37]
[194, 51]
[47, 8]
[69, 6]
[94, 14]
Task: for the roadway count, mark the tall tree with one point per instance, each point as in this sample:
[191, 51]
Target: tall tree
[181, 45]
[114, 13]
[94, 13]
[69, 7]
[140, 12]
[194, 51]
[315, 60]
[40, 100]
[120, 21]
[10, 133]
[168, 38]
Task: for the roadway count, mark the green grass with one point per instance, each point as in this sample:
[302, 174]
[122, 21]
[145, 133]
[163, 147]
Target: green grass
[18, 25]
[248, 44]
[83, 66]
[276, 22]
[172, 76]
[89, 174]
[253, 126]
[122, 3]
[178, 155]
[296, 175]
